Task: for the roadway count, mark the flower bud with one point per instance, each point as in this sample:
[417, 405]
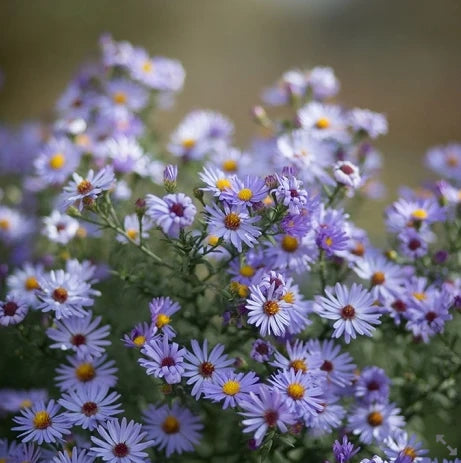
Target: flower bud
[170, 175]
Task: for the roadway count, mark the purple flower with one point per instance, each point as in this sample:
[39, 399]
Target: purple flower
[23, 282]
[372, 385]
[60, 228]
[445, 160]
[344, 450]
[86, 371]
[139, 335]
[217, 182]
[81, 334]
[230, 387]
[291, 194]
[371, 123]
[172, 213]
[261, 350]
[13, 310]
[400, 444]
[77, 456]
[161, 310]
[26, 453]
[123, 92]
[121, 442]
[331, 239]
[90, 405]
[352, 309]
[202, 366]
[173, 428]
[42, 423]
[299, 358]
[233, 224]
[328, 419]
[13, 400]
[263, 410]
[323, 82]
[413, 244]
[347, 174]
[251, 190]
[164, 360]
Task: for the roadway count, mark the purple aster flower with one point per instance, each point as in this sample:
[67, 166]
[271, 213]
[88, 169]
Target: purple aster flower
[202, 366]
[140, 334]
[42, 423]
[345, 450]
[84, 270]
[375, 422]
[372, 385]
[80, 334]
[161, 310]
[217, 182]
[402, 444]
[384, 276]
[60, 228]
[126, 154]
[83, 191]
[14, 226]
[249, 270]
[13, 310]
[291, 194]
[230, 160]
[26, 453]
[58, 159]
[261, 350]
[64, 294]
[164, 360]
[23, 282]
[299, 358]
[173, 428]
[331, 239]
[265, 410]
[90, 405]
[172, 213]
[414, 244]
[86, 371]
[292, 83]
[233, 224]
[347, 174]
[323, 83]
[251, 190]
[13, 400]
[303, 392]
[231, 387]
[338, 366]
[131, 227]
[170, 174]
[126, 93]
[77, 456]
[121, 442]
[352, 309]
[297, 225]
[327, 419]
[445, 160]
[368, 122]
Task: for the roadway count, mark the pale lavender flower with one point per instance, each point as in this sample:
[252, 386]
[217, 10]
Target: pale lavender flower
[13, 310]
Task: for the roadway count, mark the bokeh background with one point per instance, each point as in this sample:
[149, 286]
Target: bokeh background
[401, 58]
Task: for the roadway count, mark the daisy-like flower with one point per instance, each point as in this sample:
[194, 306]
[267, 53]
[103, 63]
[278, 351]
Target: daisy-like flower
[172, 213]
[325, 121]
[328, 419]
[164, 360]
[121, 442]
[292, 83]
[375, 422]
[303, 392]
[13, 400]
[77, 456]
[368, 122]
[124, 92]
[26, 453]
[84, 270]
[251, 190]
[385, 277]
[401, 443]
[173, 428]
[345, 450]
[232, 224]
[80, 334]
[230, 161]
[299, 358]
[131, 227]
[261, 350]
[267, 310]
[264, 410]
[13, 310]
[86, 371]
[347, 174]
[14, 226]
[372, 385]
[90, 405]
[331, 238]
[337, 365]
[58, 159]
[126, 155]
[201, 365]
[139, 335]
[23, 282]
[83, 191]
[230, 387]
[42, 423]
[323, 83]
[414, 244]
[352, 309]
[64, 294]
[217, 182]
[291, 194]
[445, 160]
[161, 310]
[60, 228]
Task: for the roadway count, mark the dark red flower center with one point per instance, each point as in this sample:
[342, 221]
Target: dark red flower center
[327, 366]
[10, 308]
[120, 450]
[399, 306]
[294, 193]
[177, 209]
[271, 417]
[78, 339]
[347, 169]
[60, 295]
[373, 386]
[431, 316]
[414, 244]
[262, 349]
[89, 408]
[348, 312]
[168, 362]
[206, 369]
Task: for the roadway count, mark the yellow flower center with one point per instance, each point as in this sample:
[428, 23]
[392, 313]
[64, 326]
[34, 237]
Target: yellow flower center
[229, 165]
[85, 372]
[411, 452]
[57, 161]
[323, 123]
[375, 419]
[240, 289]
[188, 143]
[329, 241]
[268, 201]
[26, 403]
[162, 320]
[81, 232]
[420, 296]
[245, 195]
[223, 184]
[295, 391]
[119, 97]
[289, 297]
[299, 365]
[147, 66]
[4, 224]
[247, 271]
[271, 308]
[419, 214]
[42, 420]
[452, 161]
[213, 240]
[170, 425]
[139, 341]
[231, 387]
[378, 278]
[232, 221]
[132, 233]
[84, 187]
[289, 243]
